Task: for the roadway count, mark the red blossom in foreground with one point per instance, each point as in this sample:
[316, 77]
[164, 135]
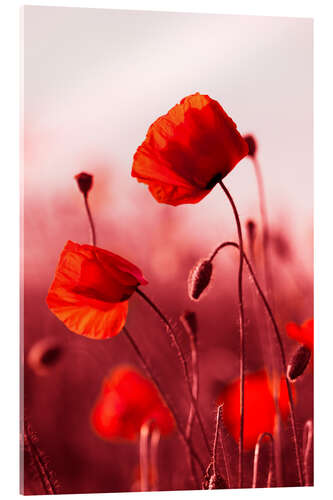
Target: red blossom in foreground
[127, 401]
[303, 334]
[91, 289]
[188, 150]
[259, 407]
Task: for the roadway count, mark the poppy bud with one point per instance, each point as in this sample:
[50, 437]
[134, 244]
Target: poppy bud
[189, 320]
[251, 229]
[213, 481]
[252, 144]
[298, 363]
[199, 278]
[44, 355]
[85, 182]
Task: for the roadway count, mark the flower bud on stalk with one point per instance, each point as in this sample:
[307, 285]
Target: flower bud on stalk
[199, 278]
[251, 230]
[252, 145]
[44, 355]
[85, 182]
[298, 363]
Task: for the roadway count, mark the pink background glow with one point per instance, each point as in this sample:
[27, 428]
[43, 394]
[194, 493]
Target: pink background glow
[95, 80]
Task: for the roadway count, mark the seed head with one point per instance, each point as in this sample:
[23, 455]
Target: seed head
[252, 144]
[85, 182]
[298, 363]
[199, 278]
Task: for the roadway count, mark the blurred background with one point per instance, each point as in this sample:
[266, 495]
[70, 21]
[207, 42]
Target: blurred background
[94, 80]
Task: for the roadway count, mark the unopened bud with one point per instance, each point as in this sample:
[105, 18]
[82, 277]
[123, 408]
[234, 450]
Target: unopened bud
[44, 355]
[85, 182]
[213, 481]
[199, 278]
[252, 144]
[298, 363]
[251, 229]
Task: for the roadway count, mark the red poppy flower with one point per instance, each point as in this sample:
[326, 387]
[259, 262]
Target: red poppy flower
[259, 415]
[127, 401]
[303, 334]
[188, 150]
[91, 289]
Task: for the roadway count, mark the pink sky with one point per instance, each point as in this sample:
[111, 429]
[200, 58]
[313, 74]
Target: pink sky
[95, 80]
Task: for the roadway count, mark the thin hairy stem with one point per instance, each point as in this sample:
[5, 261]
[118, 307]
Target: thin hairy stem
[226, 464]
[307, 444]
[195, 392]
[91, 222]
[217, 427]
[38, 461]
[268, 282]
[241, 334]
[256, 460]
[281, 348]
[195, 382]
[166, 398]
[181, 355]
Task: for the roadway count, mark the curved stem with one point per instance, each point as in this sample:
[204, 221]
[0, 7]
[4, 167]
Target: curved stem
[241, 334]
[91, 222]
[268, 281]
[195, 391]
[256, 459]
[148, 369]
[282, 352]
[307, 443]
[182, 359]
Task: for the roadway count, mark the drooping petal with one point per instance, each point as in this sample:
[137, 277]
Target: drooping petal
[91, 288]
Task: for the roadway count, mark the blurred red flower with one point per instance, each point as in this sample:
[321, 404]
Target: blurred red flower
[128, 400]
[303, 334]
[259, 406]
[188, 150]
[91, 289]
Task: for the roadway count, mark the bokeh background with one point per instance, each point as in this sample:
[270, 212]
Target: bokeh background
[94, 80]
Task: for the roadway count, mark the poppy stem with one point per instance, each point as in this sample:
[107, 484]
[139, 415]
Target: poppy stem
[256, 460]
[144, 462]
[268, 280]
[195, 376]
[226, 465]
[307, 443]
[154, 442]
[181, 356]
[91, 222]
[282, 352]
[38, 461]
[150, 372]
[214, 454]
[195, 390]
[241, 333]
